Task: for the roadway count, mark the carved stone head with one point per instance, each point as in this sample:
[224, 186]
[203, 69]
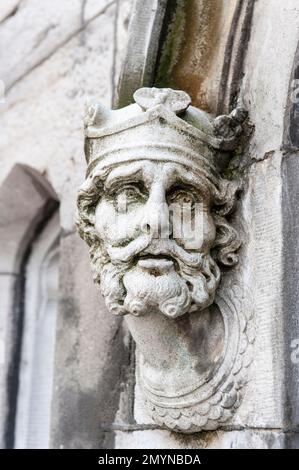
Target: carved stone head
[153, 206]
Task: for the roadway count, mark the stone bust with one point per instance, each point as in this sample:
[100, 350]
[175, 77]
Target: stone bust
[153, 211]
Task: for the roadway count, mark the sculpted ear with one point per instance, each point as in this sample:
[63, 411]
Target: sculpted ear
[227, 242]
[226, 197]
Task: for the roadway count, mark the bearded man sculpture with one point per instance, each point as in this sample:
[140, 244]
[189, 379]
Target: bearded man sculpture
[153, 211]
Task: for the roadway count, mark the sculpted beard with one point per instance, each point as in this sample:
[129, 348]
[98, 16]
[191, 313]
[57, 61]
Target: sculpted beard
[186, 284]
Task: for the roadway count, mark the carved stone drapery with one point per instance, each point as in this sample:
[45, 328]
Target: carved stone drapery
[153, 210]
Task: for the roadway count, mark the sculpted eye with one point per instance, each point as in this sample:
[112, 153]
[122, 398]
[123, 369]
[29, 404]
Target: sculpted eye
[181, 196]
[128, 194]
[131, 192]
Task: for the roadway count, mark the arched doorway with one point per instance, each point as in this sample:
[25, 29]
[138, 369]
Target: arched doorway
[27, 206]
[33, 414]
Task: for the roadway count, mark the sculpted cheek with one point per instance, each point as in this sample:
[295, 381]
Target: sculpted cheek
[206, 234]
[105, 219]
[200, 234]
[128, 224]
[113, 226]
[209, 230]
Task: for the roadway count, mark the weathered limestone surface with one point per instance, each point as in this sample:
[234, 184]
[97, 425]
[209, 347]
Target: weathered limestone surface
[157, 439]
[273, 214]
[192, 57]
[8, 8]
[193, 342]
[42, 120]
[290, 195]
[7, 285]
[92, 360]
[270, 56]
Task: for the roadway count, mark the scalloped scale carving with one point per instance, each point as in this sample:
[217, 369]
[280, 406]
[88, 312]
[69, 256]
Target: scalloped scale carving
[225, 397]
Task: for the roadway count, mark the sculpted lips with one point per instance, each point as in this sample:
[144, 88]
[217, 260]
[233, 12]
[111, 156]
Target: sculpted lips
[146, 246]
[156, 265]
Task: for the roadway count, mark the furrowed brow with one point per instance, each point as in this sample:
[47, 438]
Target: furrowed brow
[188, 178]
[141, 171]
[122, 174]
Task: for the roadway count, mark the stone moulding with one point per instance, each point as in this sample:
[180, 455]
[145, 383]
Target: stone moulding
[155, 171]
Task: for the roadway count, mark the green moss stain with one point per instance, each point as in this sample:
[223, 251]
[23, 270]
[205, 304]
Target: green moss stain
[172, 46]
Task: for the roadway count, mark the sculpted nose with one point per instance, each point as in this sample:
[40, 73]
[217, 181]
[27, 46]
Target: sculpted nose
[156, 214]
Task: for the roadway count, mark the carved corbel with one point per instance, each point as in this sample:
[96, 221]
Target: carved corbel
[153, 210]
